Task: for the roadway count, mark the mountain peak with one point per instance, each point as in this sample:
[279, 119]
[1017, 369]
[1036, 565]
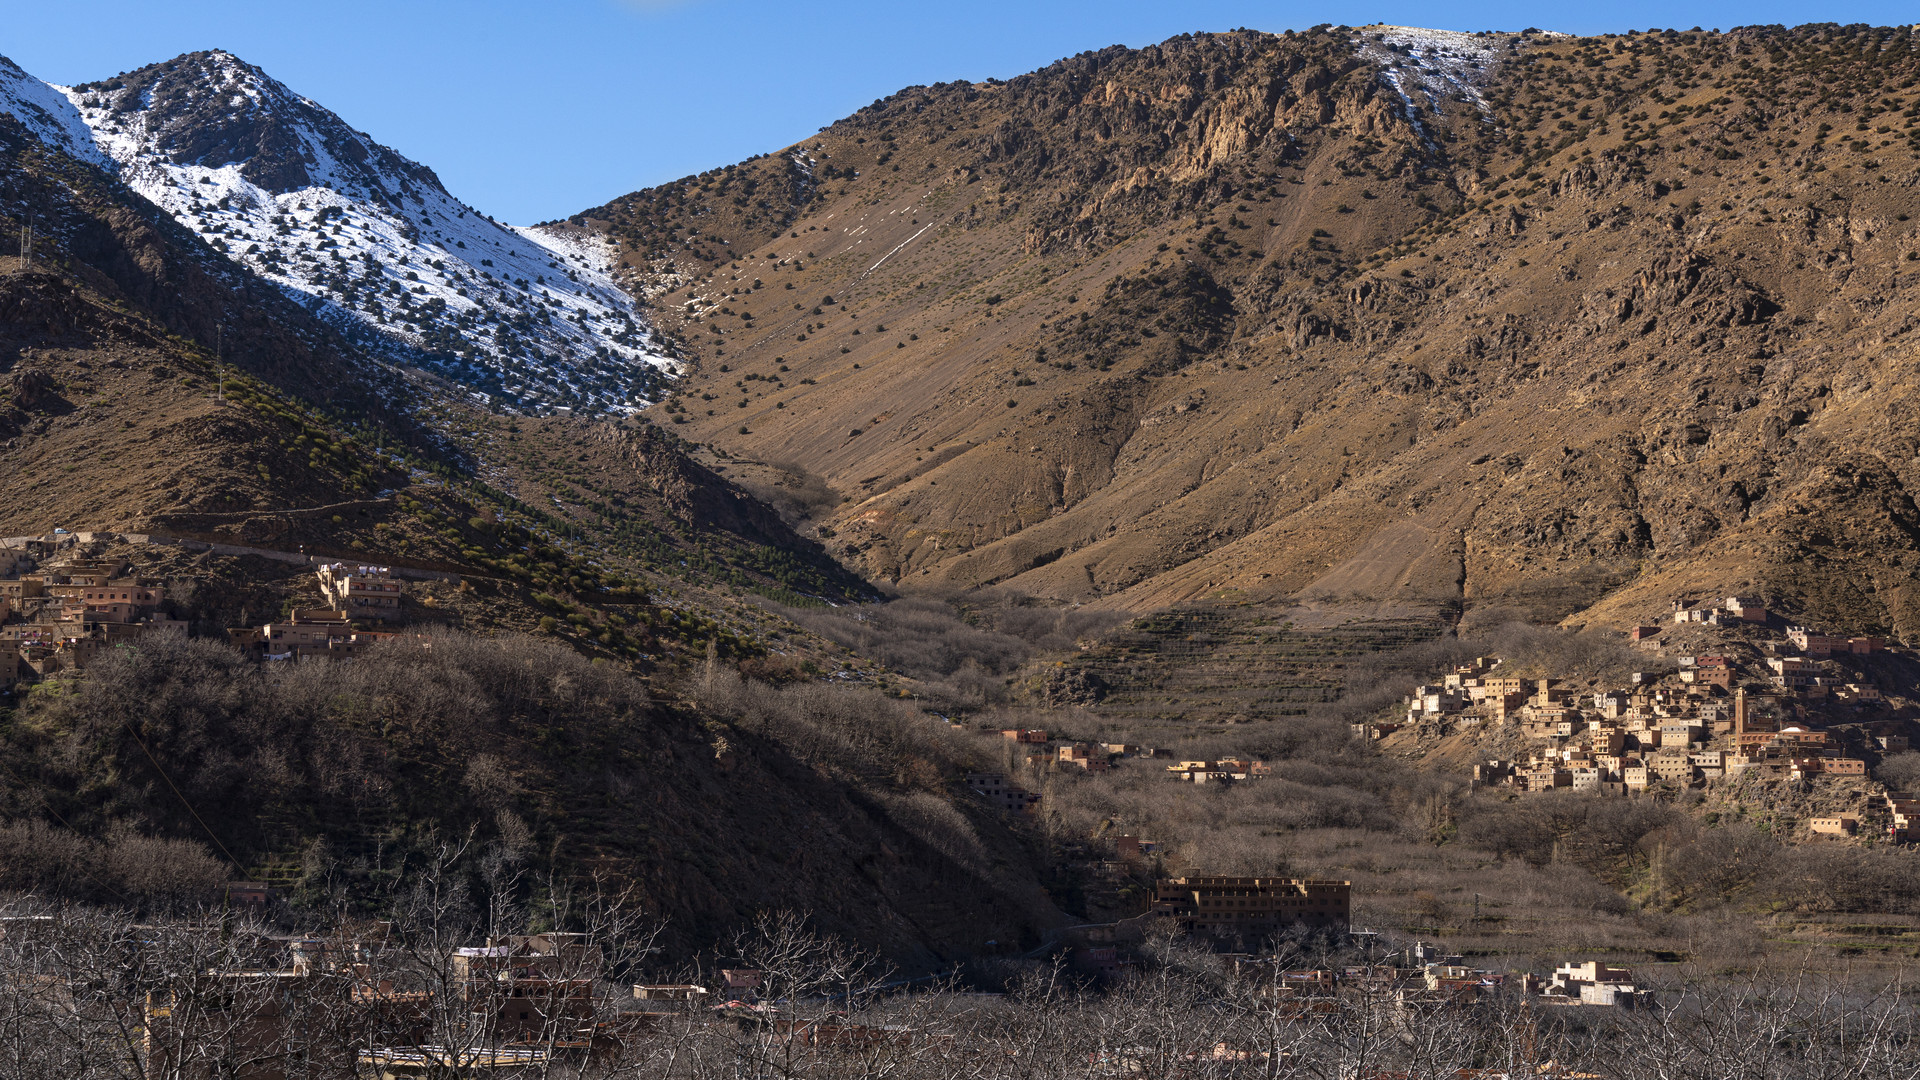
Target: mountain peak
[213, 109]
[530, 319]
[1426, 67]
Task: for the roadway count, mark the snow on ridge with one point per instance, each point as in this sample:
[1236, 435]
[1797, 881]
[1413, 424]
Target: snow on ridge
[1427, 68]
[46, 112]
[368, 240]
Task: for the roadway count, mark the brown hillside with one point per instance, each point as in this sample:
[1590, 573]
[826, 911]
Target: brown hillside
[114, 412]
[117, 415]
[569, 745]
[1216, 318]
[108, 422]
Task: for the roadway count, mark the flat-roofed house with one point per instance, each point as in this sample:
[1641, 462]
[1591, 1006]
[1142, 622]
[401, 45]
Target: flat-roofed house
[1252, 906]
[363, 592]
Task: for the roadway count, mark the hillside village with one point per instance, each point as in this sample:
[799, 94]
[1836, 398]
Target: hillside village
[60, 617]
[1752, 696]
[1105, 452]
[540, 1001]
[61, 608]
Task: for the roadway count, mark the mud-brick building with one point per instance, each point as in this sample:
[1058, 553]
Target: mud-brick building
[363, 592]
[1251, 906]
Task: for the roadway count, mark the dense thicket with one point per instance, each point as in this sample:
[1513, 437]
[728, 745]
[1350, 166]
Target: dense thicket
[187, 738]
[166, 768]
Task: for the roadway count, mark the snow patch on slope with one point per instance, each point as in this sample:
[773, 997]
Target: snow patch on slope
[1428, 68]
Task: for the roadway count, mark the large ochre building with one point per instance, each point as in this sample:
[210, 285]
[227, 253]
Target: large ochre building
[1243, 906]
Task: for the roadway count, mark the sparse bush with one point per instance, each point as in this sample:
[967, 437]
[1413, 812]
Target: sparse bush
[126, 868]
[840, 729]
[936, 822]
[1900, 772]
[794, 493]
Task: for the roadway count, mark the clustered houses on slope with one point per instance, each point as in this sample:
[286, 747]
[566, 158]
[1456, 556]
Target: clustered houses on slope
[362, 592]
[1099, 757]
[375, 1002]
[518, 1002]
[357, 594]
[525, 1004]
[1794, 704]
[58, 616]
[1222, 771]
[1237, 911]
[1424, 976]
[60, 609]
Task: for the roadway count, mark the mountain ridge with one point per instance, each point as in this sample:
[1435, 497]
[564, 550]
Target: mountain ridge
[1336, 329]
[1233, 318]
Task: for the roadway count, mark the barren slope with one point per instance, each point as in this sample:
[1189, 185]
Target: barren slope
[1223, 317]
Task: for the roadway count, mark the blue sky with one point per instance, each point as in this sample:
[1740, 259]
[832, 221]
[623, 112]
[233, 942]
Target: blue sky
[532, 111]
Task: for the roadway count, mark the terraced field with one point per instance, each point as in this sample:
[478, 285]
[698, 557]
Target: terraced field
[1227, 663]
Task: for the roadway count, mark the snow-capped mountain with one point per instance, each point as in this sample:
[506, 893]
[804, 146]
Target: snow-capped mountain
[530, 318]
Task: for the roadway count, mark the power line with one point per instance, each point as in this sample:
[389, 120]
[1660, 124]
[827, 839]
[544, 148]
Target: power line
[128, 724]
[48, 806]
[175, 788]
[83, 866]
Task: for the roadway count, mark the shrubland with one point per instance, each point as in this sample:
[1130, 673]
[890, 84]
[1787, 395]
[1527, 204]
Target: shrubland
[1536, 876]
[165, 769]
[187, 737]
[171, 766]
[961, 650]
